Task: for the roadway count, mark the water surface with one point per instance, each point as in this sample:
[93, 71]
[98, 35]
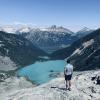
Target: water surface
[41, 72]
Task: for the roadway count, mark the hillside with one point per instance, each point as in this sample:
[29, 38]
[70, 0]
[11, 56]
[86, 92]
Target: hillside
[84, 53]
[17, 51]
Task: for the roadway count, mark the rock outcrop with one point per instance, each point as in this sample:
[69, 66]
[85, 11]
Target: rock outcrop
[83, 88]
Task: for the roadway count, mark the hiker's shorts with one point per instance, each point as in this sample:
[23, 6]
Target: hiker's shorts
[68, 77]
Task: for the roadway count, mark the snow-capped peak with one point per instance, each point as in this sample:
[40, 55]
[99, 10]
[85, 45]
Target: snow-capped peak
[54, 28]
[8, 29]
[85, 29]
[25, 30]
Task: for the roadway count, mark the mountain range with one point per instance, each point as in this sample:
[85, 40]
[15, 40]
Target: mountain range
[48, 39]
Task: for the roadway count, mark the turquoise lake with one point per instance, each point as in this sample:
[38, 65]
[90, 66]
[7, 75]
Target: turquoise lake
[41, 72]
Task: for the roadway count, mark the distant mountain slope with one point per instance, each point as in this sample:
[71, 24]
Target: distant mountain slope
[84, 53]
[17, 51]
[83, 32]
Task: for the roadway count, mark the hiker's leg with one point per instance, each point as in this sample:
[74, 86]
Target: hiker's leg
[69, 83]
[66, 84]
[70, 76]
[66, 80]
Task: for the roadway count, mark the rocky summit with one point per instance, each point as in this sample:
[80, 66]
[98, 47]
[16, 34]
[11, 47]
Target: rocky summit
[84, 87]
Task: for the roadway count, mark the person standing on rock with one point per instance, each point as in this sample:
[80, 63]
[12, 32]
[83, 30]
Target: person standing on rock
[68, 71]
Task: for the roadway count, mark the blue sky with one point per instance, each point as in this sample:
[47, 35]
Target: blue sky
[73, 14]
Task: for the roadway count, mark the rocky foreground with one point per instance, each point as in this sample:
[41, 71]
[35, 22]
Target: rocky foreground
[83, 88]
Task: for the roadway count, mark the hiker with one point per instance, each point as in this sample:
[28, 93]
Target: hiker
[68, 71]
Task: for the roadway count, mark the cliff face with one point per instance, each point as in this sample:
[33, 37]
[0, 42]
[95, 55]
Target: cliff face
[83, 88]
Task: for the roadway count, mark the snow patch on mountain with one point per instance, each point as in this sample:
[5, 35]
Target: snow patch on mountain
[77, 51]
[88, 43]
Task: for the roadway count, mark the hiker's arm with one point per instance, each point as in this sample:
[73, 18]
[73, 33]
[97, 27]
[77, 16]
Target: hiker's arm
[64, 70]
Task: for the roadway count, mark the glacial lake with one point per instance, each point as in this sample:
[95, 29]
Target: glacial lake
[41, 72]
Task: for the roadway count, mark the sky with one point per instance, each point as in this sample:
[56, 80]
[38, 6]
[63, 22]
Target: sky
[72, 14]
